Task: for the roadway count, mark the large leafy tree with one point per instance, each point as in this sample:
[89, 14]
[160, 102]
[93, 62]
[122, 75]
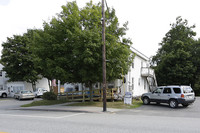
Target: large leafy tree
[173, 60]
[195, 49]
[17, 59]
[70, 46]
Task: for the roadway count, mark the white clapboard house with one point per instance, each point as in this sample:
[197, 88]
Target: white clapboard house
[140, 77]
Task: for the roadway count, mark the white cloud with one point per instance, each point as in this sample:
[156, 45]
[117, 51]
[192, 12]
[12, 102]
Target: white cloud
[4, 2]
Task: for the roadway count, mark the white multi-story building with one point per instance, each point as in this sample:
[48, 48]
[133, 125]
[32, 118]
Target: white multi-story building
[140, 77]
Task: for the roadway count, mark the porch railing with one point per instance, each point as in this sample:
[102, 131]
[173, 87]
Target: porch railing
[147, 72]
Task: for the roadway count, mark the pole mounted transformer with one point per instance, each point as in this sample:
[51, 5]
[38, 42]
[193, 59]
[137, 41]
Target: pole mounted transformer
[104, 57]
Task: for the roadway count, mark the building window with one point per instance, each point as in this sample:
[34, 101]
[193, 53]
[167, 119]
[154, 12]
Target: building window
[1, 87]
[141, 63]
[132, 83]
[145, 84]
[139, 81]
[132, 64]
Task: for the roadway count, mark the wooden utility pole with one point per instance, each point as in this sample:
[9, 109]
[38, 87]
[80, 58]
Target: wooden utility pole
[104, 57]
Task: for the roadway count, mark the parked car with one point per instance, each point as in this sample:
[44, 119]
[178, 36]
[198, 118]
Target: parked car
[24, 94]
[173, 95]
[3, 93]
[39, 92]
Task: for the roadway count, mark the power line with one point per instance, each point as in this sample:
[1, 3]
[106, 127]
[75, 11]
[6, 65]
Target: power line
[107, 7]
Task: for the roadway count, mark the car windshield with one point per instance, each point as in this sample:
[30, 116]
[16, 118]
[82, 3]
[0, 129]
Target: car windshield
[187, 89]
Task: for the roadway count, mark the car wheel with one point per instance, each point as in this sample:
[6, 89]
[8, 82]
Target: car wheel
[146, 101]
[185, 105]
[173, 103]
[19, 98]
[4, 95]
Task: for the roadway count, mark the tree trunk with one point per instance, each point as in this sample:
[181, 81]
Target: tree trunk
[49, 85]
[34, 86]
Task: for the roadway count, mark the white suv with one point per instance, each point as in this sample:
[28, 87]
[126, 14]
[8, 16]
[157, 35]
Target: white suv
[173, 95]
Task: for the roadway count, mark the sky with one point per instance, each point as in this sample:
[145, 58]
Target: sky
[149, 20]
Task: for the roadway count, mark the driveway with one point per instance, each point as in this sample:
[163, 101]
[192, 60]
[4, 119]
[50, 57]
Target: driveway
[10, 103]
[192, 111]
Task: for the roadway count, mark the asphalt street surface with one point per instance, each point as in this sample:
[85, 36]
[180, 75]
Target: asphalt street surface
[145, 119]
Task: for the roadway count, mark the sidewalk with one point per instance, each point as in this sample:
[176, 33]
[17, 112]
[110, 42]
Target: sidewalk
[64, 108]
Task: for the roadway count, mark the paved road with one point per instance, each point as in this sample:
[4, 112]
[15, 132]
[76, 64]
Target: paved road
[146, 119]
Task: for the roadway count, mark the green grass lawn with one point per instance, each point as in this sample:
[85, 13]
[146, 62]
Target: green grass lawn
[115, 104]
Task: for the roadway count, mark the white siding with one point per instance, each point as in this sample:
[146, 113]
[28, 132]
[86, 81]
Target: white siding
[136, 83]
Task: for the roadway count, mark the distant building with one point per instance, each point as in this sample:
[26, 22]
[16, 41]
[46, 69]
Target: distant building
[13, 87]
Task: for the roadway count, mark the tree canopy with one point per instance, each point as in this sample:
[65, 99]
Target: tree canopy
[174, 63]
[17, 59]
[69, 48]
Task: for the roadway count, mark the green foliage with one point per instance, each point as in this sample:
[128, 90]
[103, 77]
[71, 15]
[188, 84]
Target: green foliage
[17, 59]
[49, 96]
[196, 60]
[70, 47]
[174, 58]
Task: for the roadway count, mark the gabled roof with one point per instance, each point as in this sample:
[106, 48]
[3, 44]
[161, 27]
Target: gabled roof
[138, 53]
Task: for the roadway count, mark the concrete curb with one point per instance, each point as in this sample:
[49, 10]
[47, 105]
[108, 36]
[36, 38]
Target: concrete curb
[76, 109]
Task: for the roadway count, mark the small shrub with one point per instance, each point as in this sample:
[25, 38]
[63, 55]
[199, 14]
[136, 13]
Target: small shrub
[49, 96]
